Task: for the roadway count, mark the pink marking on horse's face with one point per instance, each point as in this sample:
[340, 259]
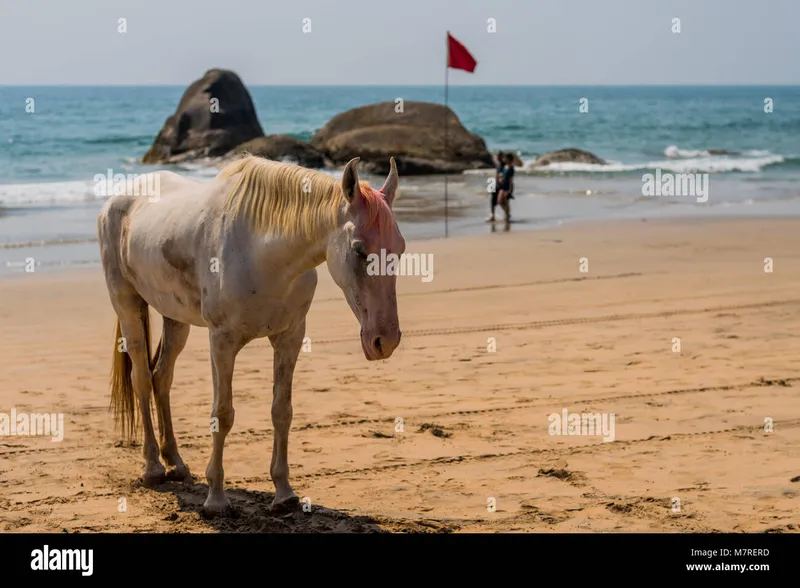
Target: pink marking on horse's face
[356, 264]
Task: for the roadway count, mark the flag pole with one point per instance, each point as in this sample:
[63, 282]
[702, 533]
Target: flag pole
[446, 71]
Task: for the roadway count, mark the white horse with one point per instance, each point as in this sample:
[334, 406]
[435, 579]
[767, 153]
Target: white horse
[238, 255]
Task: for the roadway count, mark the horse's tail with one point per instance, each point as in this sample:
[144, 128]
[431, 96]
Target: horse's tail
[123, 398]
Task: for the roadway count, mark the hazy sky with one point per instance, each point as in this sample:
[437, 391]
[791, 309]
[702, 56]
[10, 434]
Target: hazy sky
[399, 42]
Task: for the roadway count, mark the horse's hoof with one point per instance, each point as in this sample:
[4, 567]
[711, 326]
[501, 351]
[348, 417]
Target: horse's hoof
[218, 508]
[180, 473]
[285, 504]
[153, 478]
[221, 512]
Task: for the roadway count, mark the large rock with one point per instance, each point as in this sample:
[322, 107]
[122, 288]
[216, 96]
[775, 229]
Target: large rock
[198, 130]
[414, 137]
[567, 155]
[283, 148]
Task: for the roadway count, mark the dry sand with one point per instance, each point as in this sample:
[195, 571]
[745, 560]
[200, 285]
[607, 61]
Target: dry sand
[690, 452]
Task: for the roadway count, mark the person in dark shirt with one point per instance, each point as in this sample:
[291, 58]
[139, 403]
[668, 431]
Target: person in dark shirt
[505, 186]
[500, 163]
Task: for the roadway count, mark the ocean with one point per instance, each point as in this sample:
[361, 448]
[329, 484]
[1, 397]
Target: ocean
[50, 156]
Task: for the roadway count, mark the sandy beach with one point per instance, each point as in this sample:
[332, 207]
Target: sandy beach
[675, 329]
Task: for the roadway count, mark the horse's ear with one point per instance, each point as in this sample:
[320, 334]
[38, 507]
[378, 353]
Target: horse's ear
[389, 189]
[350, 185]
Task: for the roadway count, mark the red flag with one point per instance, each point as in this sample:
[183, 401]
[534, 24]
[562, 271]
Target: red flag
[458, 57]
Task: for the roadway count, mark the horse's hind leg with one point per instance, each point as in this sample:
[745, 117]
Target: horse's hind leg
[173, 340]
[133, 311]
[131, 375]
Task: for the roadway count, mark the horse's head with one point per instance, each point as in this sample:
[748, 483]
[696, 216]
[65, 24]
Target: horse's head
[355, 254]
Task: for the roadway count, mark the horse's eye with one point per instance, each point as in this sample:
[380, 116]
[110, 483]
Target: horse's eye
[360, 249]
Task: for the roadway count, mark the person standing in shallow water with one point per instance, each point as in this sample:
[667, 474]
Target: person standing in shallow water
[500, 163]
[505, 186]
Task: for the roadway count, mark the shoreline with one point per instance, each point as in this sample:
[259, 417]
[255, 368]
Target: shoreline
[60, 236]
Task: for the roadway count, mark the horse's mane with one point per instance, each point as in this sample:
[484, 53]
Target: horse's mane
[289, 200]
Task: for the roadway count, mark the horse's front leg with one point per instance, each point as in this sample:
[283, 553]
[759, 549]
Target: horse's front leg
[286, 347]
[224, 347]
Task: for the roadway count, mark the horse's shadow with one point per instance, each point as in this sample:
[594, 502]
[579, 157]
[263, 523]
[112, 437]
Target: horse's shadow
[252, 513]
